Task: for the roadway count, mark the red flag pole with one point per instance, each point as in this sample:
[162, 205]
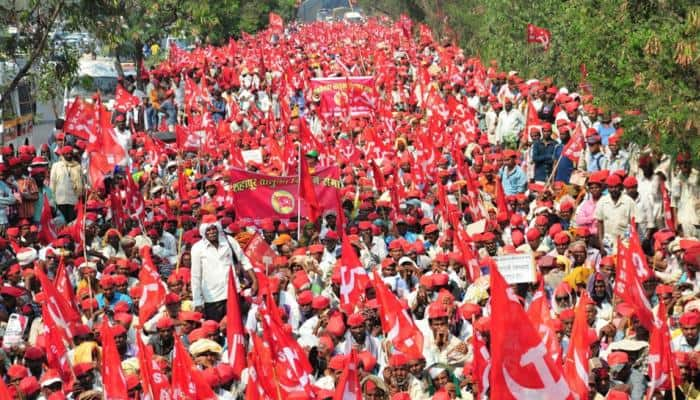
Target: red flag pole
[299, 192]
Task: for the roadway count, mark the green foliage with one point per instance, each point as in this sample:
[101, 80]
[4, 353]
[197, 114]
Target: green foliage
[640, 54]
[53, 73]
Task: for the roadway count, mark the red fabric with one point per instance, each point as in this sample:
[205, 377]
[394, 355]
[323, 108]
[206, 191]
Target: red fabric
[134, 198]
[639, 259]
[114, 381]
[481, 364]
[47, 231]
[57, 354]
[64, 286]
[535, 34]
[154, 290]
[521, 366]
[533, 122]
[235, 335]
[79, 120]
[154, 382]
[77, 227]
[256, 198]
[353, 277]
[307, 190]
[57, 311]
[261, 375]
[540, 315]
[187, 381]
[629, 288]
[668, 213]
[342, 95]
[574, 147]
[292, 367]
[276, 22]
[124, 101]
[348, 387]
[397, 324]
[579, 351]
[662, 363]
[4, 391]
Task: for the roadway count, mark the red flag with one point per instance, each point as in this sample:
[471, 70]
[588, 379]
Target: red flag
[501, 203]
[79, 119]
[639, 259]
[118, 216]
[155, 383]
[77, 227]
[378, 177]
[349, 383]
[540, 315]
[261, 375]
[260, 254]
[426, 35]
[397, 324]
[662, 363]
[134, 198]
[56, 310]
[482, 366]
[668, 212]
[535, 34]
[521, 366]
[353, 277]
[63, 285]
[629, 288]
[113, 379]
[181, 185]
[154, 290]
[533, 122]
[57, 353]
[235, 335]
[276, 22]
[104, 151]
[574, 147]
[292, 367]
[187, 381]
[579, 351]
[124, 101]
[47, 231]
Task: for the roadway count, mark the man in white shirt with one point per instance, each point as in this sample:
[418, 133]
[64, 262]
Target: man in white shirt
[212, 257]
[510, 122]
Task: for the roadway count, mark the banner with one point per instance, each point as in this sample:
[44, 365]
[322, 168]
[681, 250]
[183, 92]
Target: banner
[339, 96]
[258, 196]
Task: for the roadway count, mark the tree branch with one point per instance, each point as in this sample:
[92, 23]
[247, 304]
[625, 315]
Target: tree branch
[37, 51]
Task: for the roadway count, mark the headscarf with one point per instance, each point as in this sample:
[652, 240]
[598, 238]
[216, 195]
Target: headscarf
[590, 287]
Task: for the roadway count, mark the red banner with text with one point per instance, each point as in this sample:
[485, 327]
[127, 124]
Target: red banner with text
[343, 96]
[258, 196]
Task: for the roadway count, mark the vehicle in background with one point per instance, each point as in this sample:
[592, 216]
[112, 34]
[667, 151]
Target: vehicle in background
[17, 111]
[324, 15]
[308, 11]
[339, 12]
[353, 17]
[95, 75]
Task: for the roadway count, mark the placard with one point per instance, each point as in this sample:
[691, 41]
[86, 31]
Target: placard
[254, 155]
[517, 268]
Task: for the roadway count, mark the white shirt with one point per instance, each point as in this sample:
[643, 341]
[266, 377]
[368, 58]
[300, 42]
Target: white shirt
[210, 266]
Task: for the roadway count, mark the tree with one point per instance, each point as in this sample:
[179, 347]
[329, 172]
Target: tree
[641, 55]
[27, 26]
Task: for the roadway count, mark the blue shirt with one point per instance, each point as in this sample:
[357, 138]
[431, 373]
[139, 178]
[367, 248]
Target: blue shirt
[565, 166]
[605, 132]
[595, 162]
[514, 181]
[115, 299]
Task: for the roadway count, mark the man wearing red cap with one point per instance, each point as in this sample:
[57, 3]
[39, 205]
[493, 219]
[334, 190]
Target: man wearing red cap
[688, 341]
[614, 211]
[513, 178]
[441, 346]
[510, 123]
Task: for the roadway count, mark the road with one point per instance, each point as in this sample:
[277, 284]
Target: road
[44, 125]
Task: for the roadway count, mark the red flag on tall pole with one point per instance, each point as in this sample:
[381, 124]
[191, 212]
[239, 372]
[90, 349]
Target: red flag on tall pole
[276, 21]
[155, 383]
[521, 366]
[400, 328]
[235, 335]
[348, 387]
[154, 290]
[579, 351]
[663, 371]
[540, 315]
[573, 149]
[668, 212]
[482, 366]
[47, 231]
[629, 288]
[353, 277]
[57, 310]
[113, 378]
[187, 381]
[535, 34]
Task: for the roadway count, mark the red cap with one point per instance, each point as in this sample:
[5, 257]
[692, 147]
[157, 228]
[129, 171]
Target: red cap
[690, 319]
[437, 310]
[613, 180]
[618, 358]
[355, 320]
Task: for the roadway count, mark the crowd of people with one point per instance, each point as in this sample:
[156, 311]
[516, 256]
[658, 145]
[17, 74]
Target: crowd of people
[458, 165]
